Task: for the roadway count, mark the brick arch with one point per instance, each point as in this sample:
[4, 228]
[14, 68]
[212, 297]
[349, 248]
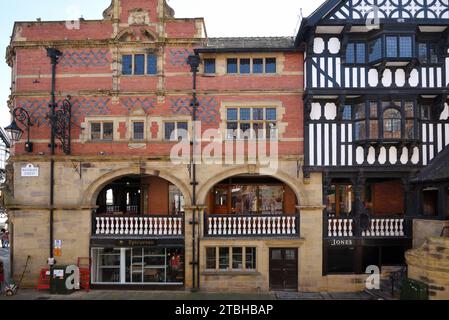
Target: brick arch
[293, 183]
[91, 194]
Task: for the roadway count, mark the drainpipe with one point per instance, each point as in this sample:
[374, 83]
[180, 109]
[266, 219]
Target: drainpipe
[194, 62]
[54, 55]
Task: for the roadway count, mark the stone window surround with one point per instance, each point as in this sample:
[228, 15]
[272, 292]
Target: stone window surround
[280, 112]
[221, 64]
[133, 52]
[148, 120]
[230, 257]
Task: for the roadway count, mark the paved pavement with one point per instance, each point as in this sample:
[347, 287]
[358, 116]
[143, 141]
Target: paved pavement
[28, 294]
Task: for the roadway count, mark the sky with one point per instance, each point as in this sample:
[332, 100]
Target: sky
[224, 18]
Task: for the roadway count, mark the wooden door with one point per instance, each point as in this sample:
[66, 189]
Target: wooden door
[284, 269]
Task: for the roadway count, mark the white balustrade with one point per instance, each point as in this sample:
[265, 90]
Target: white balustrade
[379, 228]
[154, 226]
[247, 226]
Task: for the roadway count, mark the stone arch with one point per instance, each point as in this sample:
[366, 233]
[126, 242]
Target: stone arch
[146, 34]
[293, 183]
[91, 194]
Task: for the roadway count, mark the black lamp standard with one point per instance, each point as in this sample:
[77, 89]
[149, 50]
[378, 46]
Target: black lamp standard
[194, 61]
[60, 122]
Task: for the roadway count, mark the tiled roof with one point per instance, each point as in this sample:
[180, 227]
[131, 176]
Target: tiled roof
[250, 43]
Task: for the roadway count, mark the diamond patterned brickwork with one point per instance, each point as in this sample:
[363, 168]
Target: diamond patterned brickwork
[208, 109]
[85, 58]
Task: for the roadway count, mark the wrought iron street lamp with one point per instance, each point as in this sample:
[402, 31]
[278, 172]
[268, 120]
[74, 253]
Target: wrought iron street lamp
[16, 133]
[194, 61]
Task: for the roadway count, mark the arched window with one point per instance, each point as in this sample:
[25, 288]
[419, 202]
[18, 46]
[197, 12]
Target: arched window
[392, 124]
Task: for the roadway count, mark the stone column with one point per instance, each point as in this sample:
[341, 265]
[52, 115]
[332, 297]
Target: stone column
[311, 253]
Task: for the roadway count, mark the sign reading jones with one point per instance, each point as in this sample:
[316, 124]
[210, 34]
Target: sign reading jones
[30, 171]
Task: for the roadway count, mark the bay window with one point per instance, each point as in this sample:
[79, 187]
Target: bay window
[392, 124]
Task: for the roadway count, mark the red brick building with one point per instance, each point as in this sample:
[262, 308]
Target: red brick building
[118, 198]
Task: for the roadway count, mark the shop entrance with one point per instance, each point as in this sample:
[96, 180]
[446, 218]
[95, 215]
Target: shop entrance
[284, 269]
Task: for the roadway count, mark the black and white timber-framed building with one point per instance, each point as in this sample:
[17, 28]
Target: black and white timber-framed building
[376, 123]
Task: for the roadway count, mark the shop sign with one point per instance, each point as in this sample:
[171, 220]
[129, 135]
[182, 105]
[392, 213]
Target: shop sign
[137, 243]
[30, 171]
[341, 243]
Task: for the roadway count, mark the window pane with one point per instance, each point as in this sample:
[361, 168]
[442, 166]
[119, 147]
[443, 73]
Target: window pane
[237, 258]
[250, 258]
[360, 111]
[209, 66]
[245, 114]
[169, 130]
[373, 109]
[127, 64]
[258, 130]
[425, 112]
[347, 112]
[183, 130]
[108, 131]
[433, 53]
[408, 106]
[350, 53]
[231, 130]
[139, 64]
[410, 129]
[245, 65]
[392, 124]
[224, 258]
[373, 129]
[138, 130]
[422, 52]
[257, 65]
[211, 258]
[360, 131]
[405, 47]
[232, 115]
[95, 131]
[232, 66]
[258, 114]
[270, 65]
[360, 52]
[271, 114]
[375, 50]
[152, 64]
[245, 127]
[271, 199]
[272, 131]
[392, 47]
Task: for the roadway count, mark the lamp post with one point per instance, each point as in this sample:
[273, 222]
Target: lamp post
[194, 61]
[60, 123]
[22, 116]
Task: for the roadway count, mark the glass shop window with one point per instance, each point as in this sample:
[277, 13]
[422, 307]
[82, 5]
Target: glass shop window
[340, 260]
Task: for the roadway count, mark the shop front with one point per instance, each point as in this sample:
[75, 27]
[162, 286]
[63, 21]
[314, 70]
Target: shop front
[146, 263]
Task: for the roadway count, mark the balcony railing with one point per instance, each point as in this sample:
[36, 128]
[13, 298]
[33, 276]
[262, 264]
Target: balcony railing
[137, 225]
[112, 209]
[385, 227]
[251, 225]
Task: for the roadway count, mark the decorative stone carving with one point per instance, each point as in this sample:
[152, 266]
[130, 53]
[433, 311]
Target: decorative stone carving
[138, 17]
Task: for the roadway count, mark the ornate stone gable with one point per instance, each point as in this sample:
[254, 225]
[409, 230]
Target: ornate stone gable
[139, 16]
